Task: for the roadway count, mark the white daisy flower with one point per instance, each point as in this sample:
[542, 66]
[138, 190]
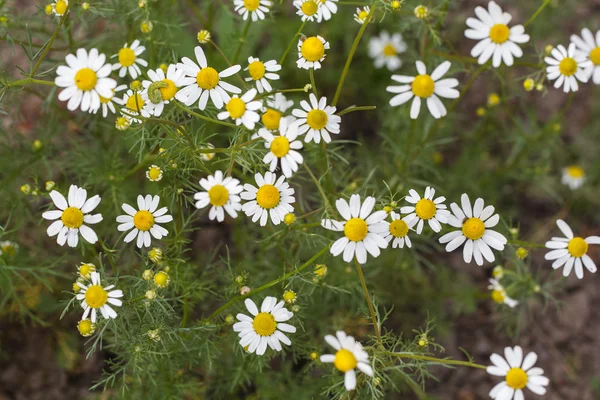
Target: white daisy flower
[318, 119]
[282, 148]
[279, 102]
[567, 66]
[242, 109]
[424, 86]
[261, 73]
[273, 197]
[311, 52]
[425, 209]
[255, 8]
[59, 8]
[73, 216]
[397, 231]
[360, 16]
[145, 221]
[307, 9]
[107, 103]
[161, 88]
[573, 176]
[590, 46]
[202, 81]
[475, 233]
[497, 40]
[222, 194]
[277, 105]
[499, 295]
[154, 173]
[94, 297]
[85, 79]
[264, 328]
[129, 60]
[326, 9]
[518, 373]
[363, 229]
[134, 104]
[385, 49]
[571, 251]
[349, 355]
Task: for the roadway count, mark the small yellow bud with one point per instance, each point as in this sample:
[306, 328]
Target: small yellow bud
[522, 253]
[150, 294]
[48, 9]
[307, 87]
[161, 151]
[537, 289]
[422, 343]
[539, 87]
[155, 255]
[26, 188]
[396, 5]
[146, 27]
[289, 296]
[529, 84]
[493, 100]
[142, 3]
[85, 6]
[147, 274]
[388, 209]
[320, 270]
[203, 36]
[229, 319]
[154, 335]
[314, 355]
[481, 111]
[161, 279]
[86, 327]
[4, 20]
[548, 49]
[136, 85]
[421, 12]
[295, 308]
[377, 381]
[76, 286]
[239, 280]
[37, 145]
[244, 290]
[289, 218]
[122, 123]
[514, 231]
[556, 127]
[50, 185]
[86, 269]
[164, 67]
[438, 157]
[498, 272]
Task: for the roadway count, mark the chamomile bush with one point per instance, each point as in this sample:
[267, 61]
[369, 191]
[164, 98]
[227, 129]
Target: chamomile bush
[267, 198]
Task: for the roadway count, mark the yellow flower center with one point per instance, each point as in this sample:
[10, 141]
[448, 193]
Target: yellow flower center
[312, 49]
[270, 119]
[86, 269]
[499, 33]
[251, 5]
[309, 8]
[218, 195]
[317, 119]
[96, 296]
[425, 209]
[289, 296]
[516, 378]
[60, 7]
[345, 360]
[126, 57]
[169, 91]
[473, 228]
[143, 220]
[154, 173]
[498, 296]
[575, 171]
[161, 279]
[356, 229]
[85, 327]
[423, 86]
[280, 146]
[388, 50]
[207, 78]
[264, 324]
[363, 16]
[236, 107]
[135, 102]
[595, 56]
[8, 249]
[85, 79]
[398, 228]
[577, 247]
[267, 196]
[72, 217]
[257, 70]
[289, 218]
[567, 66]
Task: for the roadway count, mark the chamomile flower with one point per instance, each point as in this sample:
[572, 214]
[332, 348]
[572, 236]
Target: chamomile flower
[590, 46]
[363, 229]
[424, 86]
[154, 173]
[475, 223]
[311, 52]
[145, 221]
[242, 109]
[397, 231]
[135, 103]
[255, 8]
[326, 9]
[202, 81]
[162, 88]
[73, 216]
[573, 176]
[129, 59]
[282, 148]
[425, 209]
[222, 194]
[107, 103]
[277, 105]
[273, 197]
[497, 40]
[567, 66]
[307, 9]
[85, 79]
[261, 72]
[349, 356]
[361, 15]
[571, 251]
[385, 49]
[499, 295]
[317, 120]
[518, 373]
[96, 298]
[59, 7]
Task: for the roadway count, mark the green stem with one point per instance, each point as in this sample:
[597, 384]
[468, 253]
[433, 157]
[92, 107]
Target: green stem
[311, 72]
[356, 108]
[207, 119]
[527, 244]
[369, 302]
[438, 360]
[319, 187]
[538, 11]
[289, 47]
[242, 40]
[52, 38]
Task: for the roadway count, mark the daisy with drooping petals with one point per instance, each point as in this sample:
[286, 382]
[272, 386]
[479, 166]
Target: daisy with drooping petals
[363, 229]
[242, 109]
[590, 46]
[318, 119]
[571, 251]
[222, 194]
[573, 176]
[106, 103]
[282, 148]
[135, 103]
[499, 295]
[385, 49]
[567, 66]
[129, 60]
[424, 86]
[277, 105]
[361, 16]
[145, 221]
[349, 355]
[307, 9]
[311, 52]
[72, 216]
[162, 88]
[326, 9]
[255, 8]
[202, 81]
[397, 232]
[264, 328]
[273, 197]
[85, 79]
[497, 40]
[95, 298]
[425, 209]
[261, 72]
[518, 373]
[59, 7]
[475, 233]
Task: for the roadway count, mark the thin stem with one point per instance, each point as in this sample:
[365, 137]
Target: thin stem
[242, 40]
[438, 360]
[319, 187]
[227, 61]
[356, 108]
[369, 303]
[214, 121]
[538, 11]
[527, 244]
[289, 47]
[313, 85]
[52, 38]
